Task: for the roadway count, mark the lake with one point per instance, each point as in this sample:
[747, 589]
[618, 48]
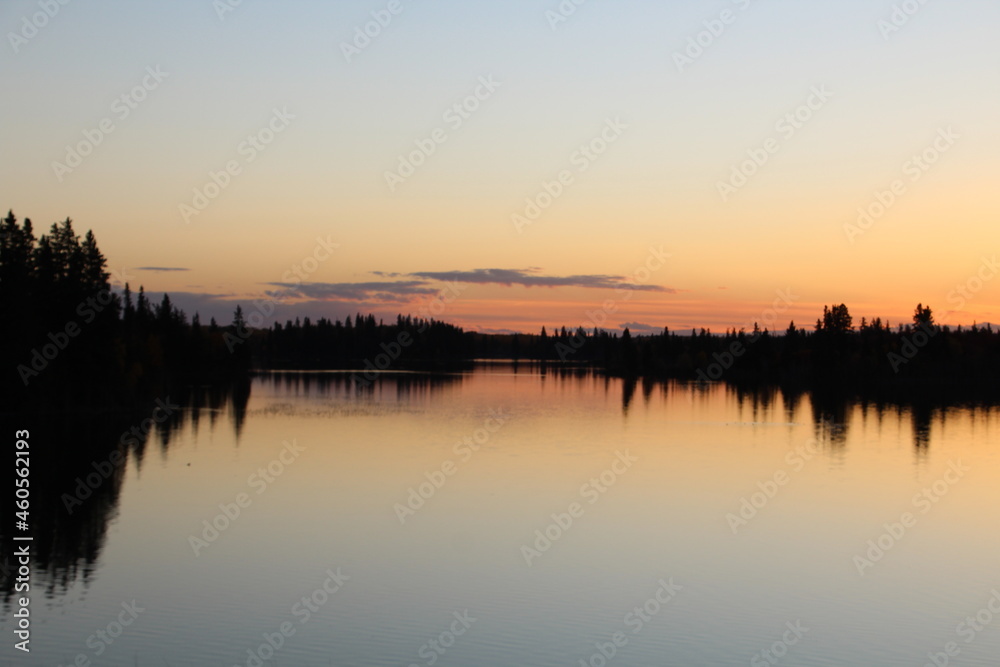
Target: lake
[513, 516]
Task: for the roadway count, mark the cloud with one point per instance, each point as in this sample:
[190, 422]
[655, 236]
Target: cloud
[421, 284]
[640, 327]
[530, 278]
[394, 290]
[401, 291]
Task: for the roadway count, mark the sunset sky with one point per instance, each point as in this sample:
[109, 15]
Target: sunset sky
[309, 116]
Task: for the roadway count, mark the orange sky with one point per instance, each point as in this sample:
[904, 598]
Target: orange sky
[422, 154]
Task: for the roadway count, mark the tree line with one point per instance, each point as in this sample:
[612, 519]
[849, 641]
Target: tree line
[362, 343]
[74, 340]
[834, 353]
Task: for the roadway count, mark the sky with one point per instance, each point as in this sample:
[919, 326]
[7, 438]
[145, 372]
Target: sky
[509, 165]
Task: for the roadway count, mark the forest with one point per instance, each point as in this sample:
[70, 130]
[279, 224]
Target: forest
[74, 341]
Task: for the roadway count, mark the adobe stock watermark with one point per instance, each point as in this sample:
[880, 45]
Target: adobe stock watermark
[913, 170]
[292, 279]
[967, 630]
[59, 340]
[751, 506]
[248, 149]
[31, 25]
[787, 127]
[42, 356]
[591, 491]
[435, 480]
[21, 619]
[923, 501]
[598, 317]
[899, 17]
[393, 350]
[303, 610]
[562, 13]
[121, 109]
[103, 638]
[768, 317]
[911, 345]
[259, 481]
[967, 291]
[105, 468]
[580, 161]
[635, 620]
[446, 296]
[714, 28]
[223, 7]
[120, 278]
[455, 117]
[365, 35]
[773, 654]
[958, 297]
[433, 649]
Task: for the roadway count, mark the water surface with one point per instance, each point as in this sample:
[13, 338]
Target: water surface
[648, 482]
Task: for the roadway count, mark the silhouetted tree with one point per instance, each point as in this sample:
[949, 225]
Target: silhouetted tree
[837, 319]
[922, 316]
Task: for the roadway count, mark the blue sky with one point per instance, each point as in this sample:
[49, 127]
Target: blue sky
[658, 184]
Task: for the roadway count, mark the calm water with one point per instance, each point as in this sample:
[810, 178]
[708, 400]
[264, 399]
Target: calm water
[647, 481]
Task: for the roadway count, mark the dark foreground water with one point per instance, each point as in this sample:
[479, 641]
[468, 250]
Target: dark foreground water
[497, 518]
